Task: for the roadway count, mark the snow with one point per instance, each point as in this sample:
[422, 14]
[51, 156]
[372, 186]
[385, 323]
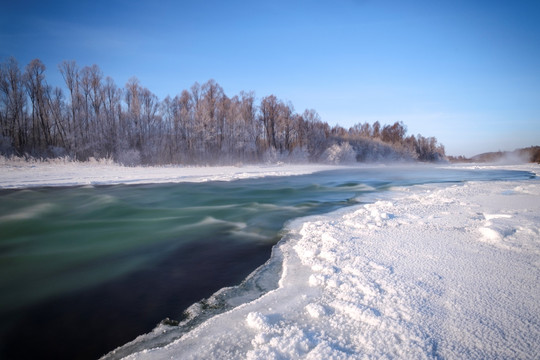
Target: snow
[430, 271]
[21, 174]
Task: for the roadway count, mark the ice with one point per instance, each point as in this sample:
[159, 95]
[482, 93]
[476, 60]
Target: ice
[430, 271]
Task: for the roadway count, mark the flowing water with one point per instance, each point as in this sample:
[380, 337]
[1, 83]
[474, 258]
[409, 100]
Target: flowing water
[86, 269]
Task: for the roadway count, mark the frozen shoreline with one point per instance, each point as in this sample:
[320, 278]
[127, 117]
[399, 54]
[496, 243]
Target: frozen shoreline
[430, 271]
[20, 174]
[16, 174]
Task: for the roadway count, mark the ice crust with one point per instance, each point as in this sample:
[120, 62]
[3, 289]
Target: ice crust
[430, 271]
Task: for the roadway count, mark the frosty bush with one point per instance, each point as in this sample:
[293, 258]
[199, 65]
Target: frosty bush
[339, 154]
[130, 157]
[270, 156]
[57, 152]
[299, 155]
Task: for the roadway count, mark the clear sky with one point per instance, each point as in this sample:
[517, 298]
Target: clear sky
[466, 72]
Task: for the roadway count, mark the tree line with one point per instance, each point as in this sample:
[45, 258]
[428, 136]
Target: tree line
[92, 117]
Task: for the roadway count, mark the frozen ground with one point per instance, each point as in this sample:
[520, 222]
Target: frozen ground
[430, 271]
[21, 174]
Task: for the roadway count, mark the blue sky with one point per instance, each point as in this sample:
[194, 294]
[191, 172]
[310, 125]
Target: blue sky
[466, 72]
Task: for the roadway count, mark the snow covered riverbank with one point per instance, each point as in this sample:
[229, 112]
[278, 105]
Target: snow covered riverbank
[429, 271]
[21, 174]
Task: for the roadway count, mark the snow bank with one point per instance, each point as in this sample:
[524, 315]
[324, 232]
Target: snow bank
[21, 174]
[431, 271]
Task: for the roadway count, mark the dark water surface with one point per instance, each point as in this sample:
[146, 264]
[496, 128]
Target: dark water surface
[86, 269]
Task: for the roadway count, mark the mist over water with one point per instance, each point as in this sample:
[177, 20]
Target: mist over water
[85, 269]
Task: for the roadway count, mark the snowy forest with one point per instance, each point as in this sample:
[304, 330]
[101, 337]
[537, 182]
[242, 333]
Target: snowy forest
[89, 116]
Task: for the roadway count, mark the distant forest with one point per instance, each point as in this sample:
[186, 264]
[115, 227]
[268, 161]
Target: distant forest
[530, 154]
[91, 117]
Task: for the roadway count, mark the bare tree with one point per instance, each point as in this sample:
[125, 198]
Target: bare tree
[186, 121]
[36, 88]
[248, 129]
[376, 130]
[317, 133]
[112, 116]
[14, 127]
[270, 108]
[132, 119]
[55, 100]
[70, 73]
[393, 134]
[212, 120]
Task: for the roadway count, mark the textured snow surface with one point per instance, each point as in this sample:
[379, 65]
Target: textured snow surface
[431, 271]
[21, 174]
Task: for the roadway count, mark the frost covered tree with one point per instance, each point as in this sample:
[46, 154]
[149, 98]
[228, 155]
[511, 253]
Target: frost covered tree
[428, 149]
[248, 130]
[13, 119]
[376, 130]
[111, 114]
[340, 154]
[35, 86]
[393, 133]
[269, 116]
[317, 134]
